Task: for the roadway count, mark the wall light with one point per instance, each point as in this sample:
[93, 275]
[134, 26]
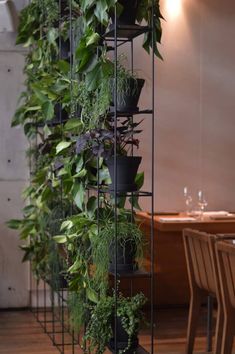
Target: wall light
[173, 7]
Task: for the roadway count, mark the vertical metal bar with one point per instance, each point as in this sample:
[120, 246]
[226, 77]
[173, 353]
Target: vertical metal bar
[132, 149]
[53, 314]
[209, 322]
[132, 57]
[152, 183]
[44, 305]
[62, 318]
[37, 305]
[73, 344]
[115, 176]
[71, 58]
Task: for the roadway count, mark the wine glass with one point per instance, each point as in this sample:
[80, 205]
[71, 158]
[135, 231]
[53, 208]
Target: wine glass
[188, 201]
[202, 203]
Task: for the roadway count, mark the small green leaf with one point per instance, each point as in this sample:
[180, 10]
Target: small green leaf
[60, 238]
[14, 224]
[72, 124]
[62, 146]
[139, 180]
[92, 295]
[48, 110]
[92, 205]
[93, 39]
[67, 224]
[47, 130]
[78, 195]
[134, 201]
[63, 66]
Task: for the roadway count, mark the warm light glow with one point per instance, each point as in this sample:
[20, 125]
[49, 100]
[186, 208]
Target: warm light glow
[174, 7]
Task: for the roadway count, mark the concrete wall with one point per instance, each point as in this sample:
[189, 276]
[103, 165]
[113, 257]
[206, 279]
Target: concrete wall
[195, 105]
[13, 174]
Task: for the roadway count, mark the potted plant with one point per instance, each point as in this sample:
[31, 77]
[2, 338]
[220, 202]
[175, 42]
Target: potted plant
[127, 12]
[100, 331]
[129, 88]
[101, 142]
[129, 248]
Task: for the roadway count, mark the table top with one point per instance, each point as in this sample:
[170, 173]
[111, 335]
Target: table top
[181, 221]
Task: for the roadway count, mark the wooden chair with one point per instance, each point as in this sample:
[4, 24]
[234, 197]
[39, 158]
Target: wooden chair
[203, 281]
[225, 252]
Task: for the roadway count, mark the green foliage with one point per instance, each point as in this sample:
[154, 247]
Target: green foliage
[102, 242]
[59, 228]
[99, 329]
[77, 312]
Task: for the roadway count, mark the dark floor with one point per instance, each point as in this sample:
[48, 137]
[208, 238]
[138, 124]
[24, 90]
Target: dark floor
[20, 333]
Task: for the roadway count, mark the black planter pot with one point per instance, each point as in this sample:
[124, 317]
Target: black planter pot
[58, 282]
[61, 115]
[125, 257]
[127, 167]
[129, 12]
[64, 47]
[62, 282]
[128, 101]
[122, 339]
[64, 8]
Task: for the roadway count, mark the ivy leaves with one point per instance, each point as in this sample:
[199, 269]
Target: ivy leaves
[96, 12]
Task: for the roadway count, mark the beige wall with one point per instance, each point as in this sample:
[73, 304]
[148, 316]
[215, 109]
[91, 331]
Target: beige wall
[195, 105]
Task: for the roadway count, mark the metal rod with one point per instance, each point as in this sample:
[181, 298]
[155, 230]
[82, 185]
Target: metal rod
[152, 184]
[37, 299]
[44, 305]
[131, 118]
[53, 314]
[115, 176]
[210, 304]
[62, 319]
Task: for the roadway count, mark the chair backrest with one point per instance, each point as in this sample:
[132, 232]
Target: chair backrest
[225, 251]
[200, 258]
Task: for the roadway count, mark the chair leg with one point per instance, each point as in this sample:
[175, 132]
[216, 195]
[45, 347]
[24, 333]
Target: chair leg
[219, 330]
[194, 309]
[228, 334]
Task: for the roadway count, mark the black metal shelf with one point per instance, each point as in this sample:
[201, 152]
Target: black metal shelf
[105, 189]
[114, 38]
[120, 114]
[110, 114]
[50, 123]
[134, 274]
[139, 350]
[125, 32]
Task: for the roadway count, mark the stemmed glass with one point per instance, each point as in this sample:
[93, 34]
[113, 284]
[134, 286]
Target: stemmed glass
[188, 201]
[202, 203]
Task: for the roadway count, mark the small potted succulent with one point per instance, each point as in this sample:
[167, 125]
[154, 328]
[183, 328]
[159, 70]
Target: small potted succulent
[101, 142]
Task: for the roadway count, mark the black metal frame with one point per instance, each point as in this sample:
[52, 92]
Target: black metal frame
[118, 36]
[53, 316]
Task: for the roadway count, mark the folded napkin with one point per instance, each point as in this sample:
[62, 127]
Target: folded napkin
[216, 213]
[228, 216]
[179, 219]
[210, 213]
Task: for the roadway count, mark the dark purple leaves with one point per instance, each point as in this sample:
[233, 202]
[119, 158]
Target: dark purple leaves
[101, 142]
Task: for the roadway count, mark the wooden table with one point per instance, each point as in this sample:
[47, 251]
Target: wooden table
[171, 279]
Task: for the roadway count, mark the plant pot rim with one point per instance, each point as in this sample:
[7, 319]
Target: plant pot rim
[124, 157]
[139, 79]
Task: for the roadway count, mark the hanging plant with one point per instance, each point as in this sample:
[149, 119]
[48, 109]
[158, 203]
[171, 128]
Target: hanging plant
[100, 328]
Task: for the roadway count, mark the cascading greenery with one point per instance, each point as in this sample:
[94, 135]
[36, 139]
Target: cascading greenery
[59, 224]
